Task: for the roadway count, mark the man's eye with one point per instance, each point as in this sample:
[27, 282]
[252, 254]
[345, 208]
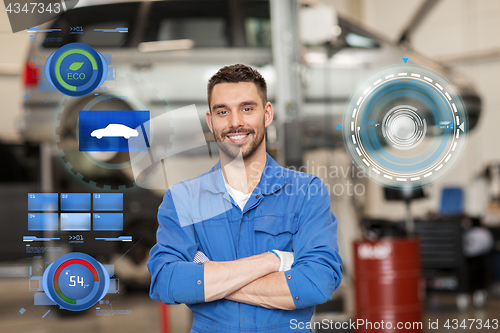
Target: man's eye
[247, 109]
[222, 112]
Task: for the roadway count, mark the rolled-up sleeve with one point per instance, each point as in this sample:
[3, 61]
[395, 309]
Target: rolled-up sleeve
[174, 277]
[317, 269]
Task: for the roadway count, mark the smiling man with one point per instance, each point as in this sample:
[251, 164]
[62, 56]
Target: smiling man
[249, 246]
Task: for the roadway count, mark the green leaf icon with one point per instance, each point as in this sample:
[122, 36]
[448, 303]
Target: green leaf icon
[75, 66]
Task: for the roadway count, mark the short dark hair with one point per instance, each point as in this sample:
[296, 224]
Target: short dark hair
[238, 73]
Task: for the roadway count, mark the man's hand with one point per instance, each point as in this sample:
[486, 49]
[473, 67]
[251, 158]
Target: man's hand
[223, 278]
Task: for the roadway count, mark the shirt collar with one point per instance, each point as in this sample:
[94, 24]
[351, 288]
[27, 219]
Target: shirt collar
[273, 178]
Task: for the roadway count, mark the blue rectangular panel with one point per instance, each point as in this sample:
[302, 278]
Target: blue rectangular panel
[43, 201]
[108, 221]
[108, 201]
[43, 221]
[113, 130]
[43, 299]
[75, 221]
[114, 286]
[35, 283]
[110, 269]
[75, 201]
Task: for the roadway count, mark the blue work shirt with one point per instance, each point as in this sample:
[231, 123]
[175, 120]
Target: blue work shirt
[288, 211]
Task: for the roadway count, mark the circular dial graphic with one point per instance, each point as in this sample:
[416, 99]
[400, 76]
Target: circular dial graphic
[76, 69]
[405, 126]
[76, 281]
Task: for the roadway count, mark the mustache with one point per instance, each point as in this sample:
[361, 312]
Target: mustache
[237, 130]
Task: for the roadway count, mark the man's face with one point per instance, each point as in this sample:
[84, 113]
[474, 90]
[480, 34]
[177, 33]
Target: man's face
[238, 118]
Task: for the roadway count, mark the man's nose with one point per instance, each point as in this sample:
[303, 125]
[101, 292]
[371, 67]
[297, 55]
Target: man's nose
[236, 119]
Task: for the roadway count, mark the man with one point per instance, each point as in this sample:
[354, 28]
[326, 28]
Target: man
[215, 231]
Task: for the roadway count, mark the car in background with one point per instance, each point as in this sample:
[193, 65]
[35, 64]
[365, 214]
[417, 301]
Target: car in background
[176, 45]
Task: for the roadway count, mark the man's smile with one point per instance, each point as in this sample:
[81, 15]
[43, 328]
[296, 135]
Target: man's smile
[238, 138]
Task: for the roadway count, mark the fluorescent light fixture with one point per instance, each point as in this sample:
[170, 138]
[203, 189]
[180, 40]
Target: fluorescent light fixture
[166, 45]
[356, 40]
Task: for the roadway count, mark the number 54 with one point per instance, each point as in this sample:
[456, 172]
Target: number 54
[79, 280]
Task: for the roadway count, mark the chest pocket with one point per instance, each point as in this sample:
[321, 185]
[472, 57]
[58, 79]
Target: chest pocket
[275, 232]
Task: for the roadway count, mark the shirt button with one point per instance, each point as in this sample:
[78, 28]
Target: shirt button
[200, 263]
[199, 281]
[257, 196]
[289, 277]
[297, 298]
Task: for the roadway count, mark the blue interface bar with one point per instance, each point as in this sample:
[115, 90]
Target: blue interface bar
[116, 239]
[113, 30]
[108, 221]
[75, 221]
[43, 201]
[108, 201]
[34, 238]
[42, 30]
[75, 201]
[43, 221]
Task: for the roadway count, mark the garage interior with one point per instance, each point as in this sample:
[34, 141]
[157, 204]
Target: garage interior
[460, 211]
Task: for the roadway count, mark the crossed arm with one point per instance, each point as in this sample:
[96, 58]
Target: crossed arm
[254, 280]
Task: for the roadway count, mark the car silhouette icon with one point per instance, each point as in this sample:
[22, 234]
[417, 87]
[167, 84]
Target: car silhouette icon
[115, 130]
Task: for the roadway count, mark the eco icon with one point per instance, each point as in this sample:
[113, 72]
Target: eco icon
[75, 66]
[76, 69]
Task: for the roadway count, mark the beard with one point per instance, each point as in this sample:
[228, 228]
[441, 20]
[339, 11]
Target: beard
[249, 148]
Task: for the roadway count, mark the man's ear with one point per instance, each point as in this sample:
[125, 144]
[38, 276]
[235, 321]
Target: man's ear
[269, 114]
[208, 118]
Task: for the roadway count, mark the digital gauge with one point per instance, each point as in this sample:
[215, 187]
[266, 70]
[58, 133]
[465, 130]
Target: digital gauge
[76, 69]
[76, 281]
[405, 126]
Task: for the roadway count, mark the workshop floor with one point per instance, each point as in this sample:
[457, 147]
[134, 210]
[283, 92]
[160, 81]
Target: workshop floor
[144, 314]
